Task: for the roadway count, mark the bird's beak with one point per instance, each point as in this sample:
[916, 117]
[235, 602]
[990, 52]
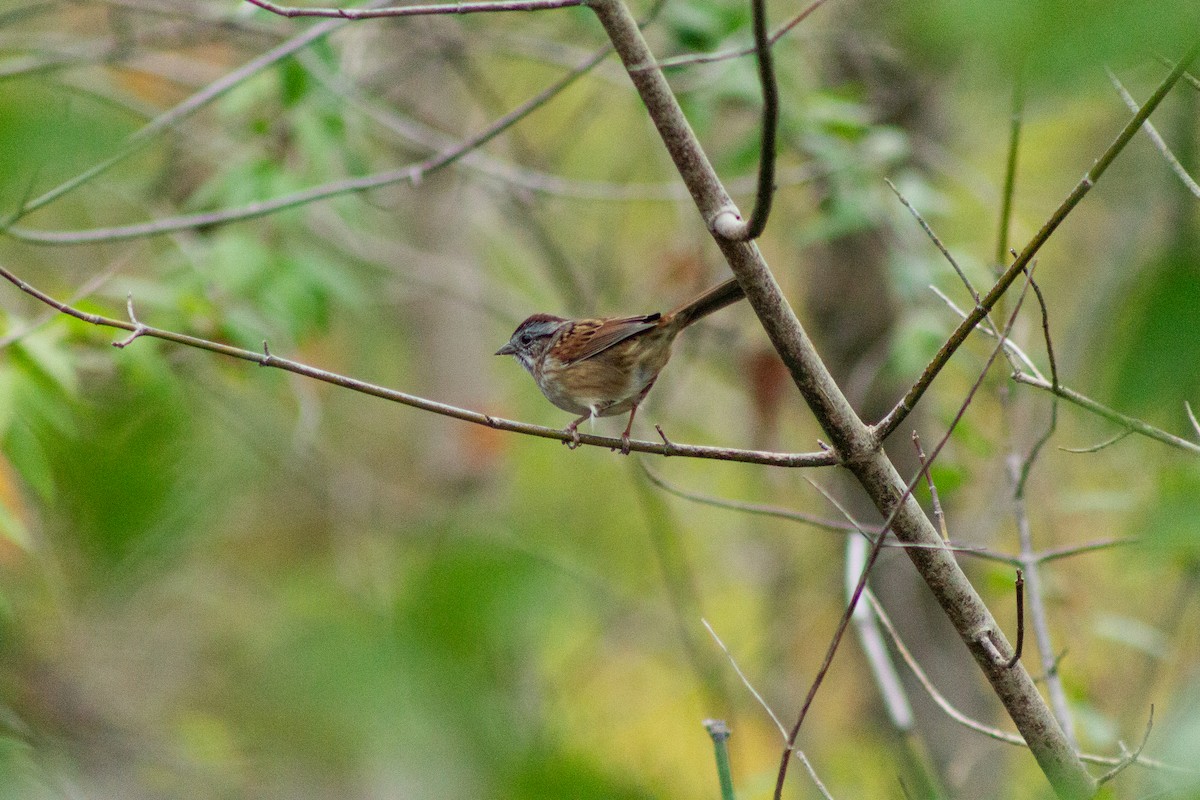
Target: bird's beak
[507, 350]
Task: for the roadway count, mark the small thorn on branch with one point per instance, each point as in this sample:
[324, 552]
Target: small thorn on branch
[267, 357]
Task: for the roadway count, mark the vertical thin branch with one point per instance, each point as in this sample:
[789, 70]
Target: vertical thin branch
[770, 123]
[938, 515]
[1020, 589]
[1019, 471]
[1010, 169]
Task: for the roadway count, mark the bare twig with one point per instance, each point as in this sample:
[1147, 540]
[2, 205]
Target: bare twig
[1011, 348]
[937, 242]
[728, 224]
[995, 733]
[938, 515]
[766, 707]
[1066, 551]
[1016, 115]
[413, 173]
[822, 523]
[1020, 589]
[416, 10]
[1130, 423]
[770, 124]
[1130, 759]
[267, 359]
[84, 291]
[1192, 416]
[1152, 133]
[709, 58]
[1096, 448]
[1027, 464]
[1019, 470]
[742, 676]
[832, 525]
[931, 690]
[876, 548]
[905, 405]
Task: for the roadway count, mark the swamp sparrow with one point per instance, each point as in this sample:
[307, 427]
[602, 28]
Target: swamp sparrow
[604, 367]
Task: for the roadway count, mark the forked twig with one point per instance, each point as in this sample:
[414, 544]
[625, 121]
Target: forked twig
[1130, 759]
[876, 548]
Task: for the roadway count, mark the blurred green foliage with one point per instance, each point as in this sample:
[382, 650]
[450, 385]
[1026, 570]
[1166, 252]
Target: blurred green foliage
[223, 581]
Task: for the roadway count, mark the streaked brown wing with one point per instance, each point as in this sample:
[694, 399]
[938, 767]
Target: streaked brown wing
[587, 338]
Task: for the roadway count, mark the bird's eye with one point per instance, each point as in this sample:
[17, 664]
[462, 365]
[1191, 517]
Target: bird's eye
[526, 337]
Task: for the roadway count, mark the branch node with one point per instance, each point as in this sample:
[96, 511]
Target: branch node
[986, 639]
[729, 225]
[1129, 759]
[138, 328]
[668, 445]
[1192, 416]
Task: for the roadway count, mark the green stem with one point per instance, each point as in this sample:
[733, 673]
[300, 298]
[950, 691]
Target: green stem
[719, 731]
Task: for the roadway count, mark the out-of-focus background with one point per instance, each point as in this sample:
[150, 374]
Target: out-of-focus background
[222, 581]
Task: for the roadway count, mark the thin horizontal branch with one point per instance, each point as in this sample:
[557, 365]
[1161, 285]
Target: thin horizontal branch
[757, 509]
[1131, 423]
[823, 523]
[518, 175]
[166, 120]
[724, 55]
[266, 359]
[1067, 551]
[413, 173]
[415, 11]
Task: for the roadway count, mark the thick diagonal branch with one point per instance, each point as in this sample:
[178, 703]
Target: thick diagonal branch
[855, 443]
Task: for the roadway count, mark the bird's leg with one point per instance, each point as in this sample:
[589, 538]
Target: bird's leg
[572, 429]
[628, 428]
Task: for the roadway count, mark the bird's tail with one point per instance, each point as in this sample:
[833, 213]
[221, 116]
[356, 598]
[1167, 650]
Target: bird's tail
[716, 298]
